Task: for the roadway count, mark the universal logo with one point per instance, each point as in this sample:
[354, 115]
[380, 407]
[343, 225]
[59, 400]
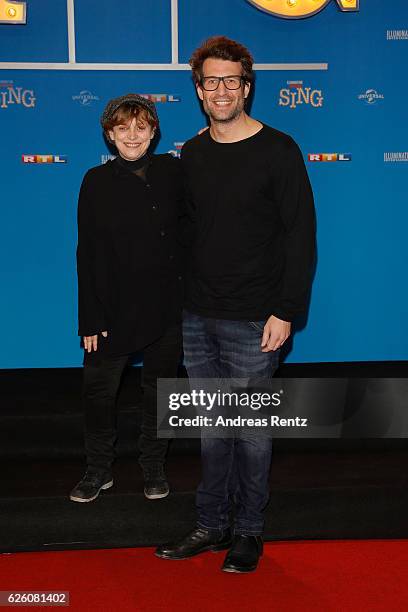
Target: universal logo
[176, 152]
[297, 94]
[44, 159]
[397, 34]
[371, 96]
[162, 97]
[10, 94]
[329, 157]
[397, 156]
[85, 98]
[298, 9]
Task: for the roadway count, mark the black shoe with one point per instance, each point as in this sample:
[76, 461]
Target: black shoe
[244, 554]
[197, 541]
[156, 485]
[90, 486]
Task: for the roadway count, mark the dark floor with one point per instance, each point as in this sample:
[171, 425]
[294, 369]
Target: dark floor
[324, 489]
[22, 479]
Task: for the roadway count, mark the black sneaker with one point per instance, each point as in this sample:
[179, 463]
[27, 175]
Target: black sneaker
[155, 482]
[90, 486]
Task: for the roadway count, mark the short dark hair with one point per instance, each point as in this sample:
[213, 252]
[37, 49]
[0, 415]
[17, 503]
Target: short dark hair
[221, 47]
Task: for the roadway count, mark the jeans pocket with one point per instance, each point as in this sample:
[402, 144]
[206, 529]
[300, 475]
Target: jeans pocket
[258, 325]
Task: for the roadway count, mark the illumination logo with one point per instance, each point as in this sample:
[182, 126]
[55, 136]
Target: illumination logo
[10, 94]
[329, 157]
[298, 9]
[397, 34]
[44, 159]
[297, 94]
[162, 97]
[396, 156]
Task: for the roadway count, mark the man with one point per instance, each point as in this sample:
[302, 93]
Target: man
[252, 261]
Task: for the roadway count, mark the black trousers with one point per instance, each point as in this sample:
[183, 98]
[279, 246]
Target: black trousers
[100, 388]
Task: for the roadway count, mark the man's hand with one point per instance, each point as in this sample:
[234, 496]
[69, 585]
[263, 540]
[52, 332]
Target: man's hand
[91, 342]
[276, 332]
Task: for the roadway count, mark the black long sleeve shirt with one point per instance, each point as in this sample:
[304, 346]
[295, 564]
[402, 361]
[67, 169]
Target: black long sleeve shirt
[253, 211]
[128, 257]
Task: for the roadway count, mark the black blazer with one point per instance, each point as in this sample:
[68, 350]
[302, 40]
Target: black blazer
[129, 259]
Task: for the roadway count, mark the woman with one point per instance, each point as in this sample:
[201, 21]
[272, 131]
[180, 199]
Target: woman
[130, 289]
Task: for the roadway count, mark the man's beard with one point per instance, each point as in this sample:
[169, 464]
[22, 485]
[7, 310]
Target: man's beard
[235, 112]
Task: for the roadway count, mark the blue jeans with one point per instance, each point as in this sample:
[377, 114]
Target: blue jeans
[233, 469]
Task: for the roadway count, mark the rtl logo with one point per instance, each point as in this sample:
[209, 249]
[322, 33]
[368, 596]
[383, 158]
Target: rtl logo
[329, 157]
[44, 159]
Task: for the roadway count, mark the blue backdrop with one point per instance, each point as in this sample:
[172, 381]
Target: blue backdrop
[355, 107]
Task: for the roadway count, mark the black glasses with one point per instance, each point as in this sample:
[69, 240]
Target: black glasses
[211, 83]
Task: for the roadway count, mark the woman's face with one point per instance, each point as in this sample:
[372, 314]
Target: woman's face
[132, 139]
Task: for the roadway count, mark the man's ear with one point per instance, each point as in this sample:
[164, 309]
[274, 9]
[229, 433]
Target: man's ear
[111, 135]
[247, 88]
[199, 91]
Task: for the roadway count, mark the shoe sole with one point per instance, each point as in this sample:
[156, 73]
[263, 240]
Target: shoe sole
[108, 485]
[213, 549]
[239, 570]
[235, 570]
[156, 495]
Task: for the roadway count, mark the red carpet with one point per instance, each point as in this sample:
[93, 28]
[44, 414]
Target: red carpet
[307, 576]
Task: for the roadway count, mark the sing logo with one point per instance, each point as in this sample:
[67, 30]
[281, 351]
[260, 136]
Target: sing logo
[44, 159]
[297, 94]
[162, 97]
[329, 157]
[176, 152]
[298, 9]
[9, 94]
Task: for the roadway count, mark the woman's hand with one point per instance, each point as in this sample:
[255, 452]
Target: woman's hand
[91, 342]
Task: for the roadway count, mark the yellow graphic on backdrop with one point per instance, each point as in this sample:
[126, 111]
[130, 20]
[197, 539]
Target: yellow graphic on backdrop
[297, 9]
[12, 12]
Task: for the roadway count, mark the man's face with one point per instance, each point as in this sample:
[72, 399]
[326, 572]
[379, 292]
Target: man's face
[132, 139]
[223, 105]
